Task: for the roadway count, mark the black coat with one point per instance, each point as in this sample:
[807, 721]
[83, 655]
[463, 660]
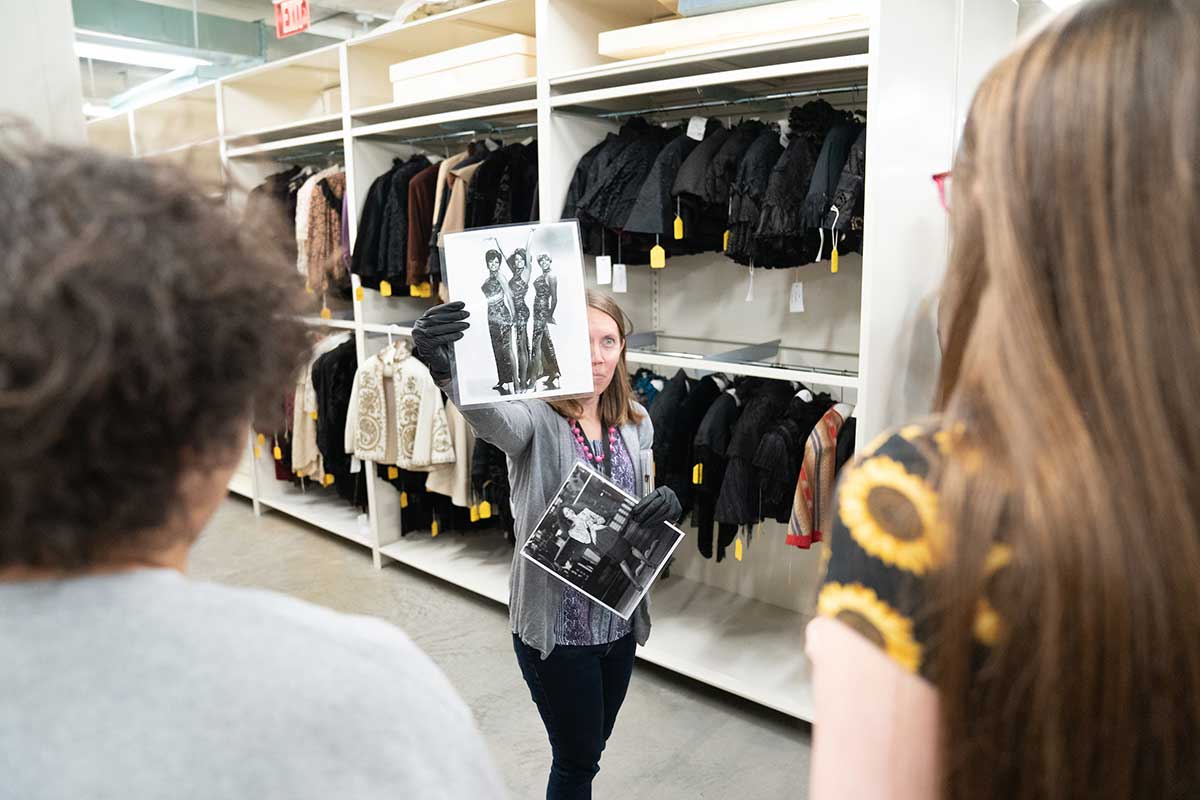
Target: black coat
[781, 454]
[834, 152]
[654, 210]
[722, 169]
[366, 261]
[664, 415]
[849, 197]
[739, 502]
[333, 379]
[703, 223]
[747, 192]
[680, 452]
[393, 245]
[709, 449]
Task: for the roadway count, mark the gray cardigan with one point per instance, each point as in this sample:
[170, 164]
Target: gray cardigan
[541, 452]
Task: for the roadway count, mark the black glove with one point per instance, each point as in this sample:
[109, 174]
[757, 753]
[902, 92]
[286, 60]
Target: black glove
[437, 329]
[661, 505]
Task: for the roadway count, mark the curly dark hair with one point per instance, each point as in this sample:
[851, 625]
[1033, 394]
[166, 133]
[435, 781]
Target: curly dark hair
[141, 326]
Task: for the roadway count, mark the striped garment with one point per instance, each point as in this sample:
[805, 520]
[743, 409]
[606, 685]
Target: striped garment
[812, 505]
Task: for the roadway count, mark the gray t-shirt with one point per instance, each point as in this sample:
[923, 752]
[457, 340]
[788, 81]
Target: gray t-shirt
[150, 685]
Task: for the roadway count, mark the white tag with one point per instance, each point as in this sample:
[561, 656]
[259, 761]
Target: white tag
[527, 141]
[796, 299]
[805, 395]
[355, 464]
[750, 287]
[618, 279]
[491, 145]
[603, 270]
[647, 472]
[785, 129]
[696, 126]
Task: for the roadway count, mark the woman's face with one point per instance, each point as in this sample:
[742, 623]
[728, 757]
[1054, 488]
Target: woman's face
[544, 264]
[519, 261]
[569, 514]
[493, 264]
[606, 347]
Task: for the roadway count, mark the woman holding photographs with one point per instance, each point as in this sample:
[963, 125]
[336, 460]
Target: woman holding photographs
[518, 287]
[575, 655]
[500, 321]
[543, 360]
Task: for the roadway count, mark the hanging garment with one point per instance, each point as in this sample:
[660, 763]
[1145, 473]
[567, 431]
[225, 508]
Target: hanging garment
[722, 169]
[616, 175]
[324, 250]
[848, 198]
[596, 239]
[780, 238]
[306, 456]
[703, 225]
[421, 191]
[663, 416]
[845, 444]
[502, 190]
[746, 195]
[333, 381]
[654, 209]
[456, 206]
[394, 245]
[812, 507]
[346, 233]
[834, 152]
[367, 259]
[710, 449]
[781, 453]
[739, 502]
[413, 426]
[455, 483]
[680, 453]
[304, 199]
[578, 186]
[433, 269]
[273, 202]
[646, 385]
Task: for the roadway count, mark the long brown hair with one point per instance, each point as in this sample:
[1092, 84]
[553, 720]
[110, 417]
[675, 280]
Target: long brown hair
[616, 404]
[1073, 365]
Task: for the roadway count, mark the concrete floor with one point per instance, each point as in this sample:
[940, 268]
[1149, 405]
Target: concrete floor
[675, 738]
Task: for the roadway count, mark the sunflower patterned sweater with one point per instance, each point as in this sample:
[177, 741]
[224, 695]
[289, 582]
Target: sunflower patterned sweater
[886, 541]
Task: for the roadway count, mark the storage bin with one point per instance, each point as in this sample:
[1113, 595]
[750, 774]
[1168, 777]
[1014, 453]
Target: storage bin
[465, 69]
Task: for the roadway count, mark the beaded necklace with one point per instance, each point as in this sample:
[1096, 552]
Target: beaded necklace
[595, 458]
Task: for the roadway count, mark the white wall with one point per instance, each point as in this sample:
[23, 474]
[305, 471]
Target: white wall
[41, 74]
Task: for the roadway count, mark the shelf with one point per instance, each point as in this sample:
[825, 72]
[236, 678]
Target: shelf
[745, 647]
[513, 92]
[450, 123]
[775, 371]
[479, 562]
[202, 160]
[296, 95]
[852, 40]
[319, 507]
[183, 120]
[385, 327]
[370, 56]
[242, 484]
[721, 87]
[299, 147]
[330, 125]
[317, 322]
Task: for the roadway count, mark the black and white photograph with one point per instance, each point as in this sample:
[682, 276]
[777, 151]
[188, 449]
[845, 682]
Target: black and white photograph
[586, 540]
[524, 287]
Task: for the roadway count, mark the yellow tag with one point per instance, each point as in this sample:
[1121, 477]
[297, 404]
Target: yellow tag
[308, 290]
[658, 257]
[725, 242]
[312, 415]
[326, 313]
[359, 294]
[262, 439]
[737, 549]
[696, 475]
[485, 510]
[278, 453]
[833, 260]
[258, 452]
[385, 288]
[678, 227]
[426, 289]
[435, 529]
[474, 513]
[404, 499]
[393, 473]
[328, 479]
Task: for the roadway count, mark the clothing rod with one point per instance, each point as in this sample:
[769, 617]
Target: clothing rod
[844, 373]
[739, 101]
[474, 132]
[296, 157]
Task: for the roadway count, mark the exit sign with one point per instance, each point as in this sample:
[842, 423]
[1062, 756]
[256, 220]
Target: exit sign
[291, 17]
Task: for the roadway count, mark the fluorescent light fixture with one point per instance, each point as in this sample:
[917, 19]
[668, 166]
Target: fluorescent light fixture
[136, 57]
[1058, 5]
[96, 112]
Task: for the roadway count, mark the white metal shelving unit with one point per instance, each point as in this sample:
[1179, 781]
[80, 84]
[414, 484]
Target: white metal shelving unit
[867, 335]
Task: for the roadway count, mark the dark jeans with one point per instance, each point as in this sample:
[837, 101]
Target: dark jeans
[578, 692]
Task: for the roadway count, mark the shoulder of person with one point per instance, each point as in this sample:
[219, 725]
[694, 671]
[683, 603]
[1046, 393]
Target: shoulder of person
[885, 541]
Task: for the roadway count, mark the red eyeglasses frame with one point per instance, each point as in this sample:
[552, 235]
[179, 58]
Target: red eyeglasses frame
[942, 179]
